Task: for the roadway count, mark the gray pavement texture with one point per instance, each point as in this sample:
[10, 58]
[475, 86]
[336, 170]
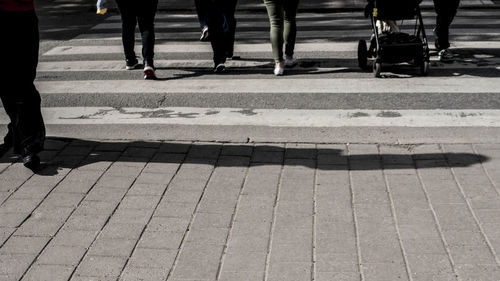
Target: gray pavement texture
[265, 211]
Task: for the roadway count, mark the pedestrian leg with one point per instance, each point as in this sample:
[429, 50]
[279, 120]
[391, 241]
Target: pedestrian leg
[290, 29]
[128, 16]
[229, 9]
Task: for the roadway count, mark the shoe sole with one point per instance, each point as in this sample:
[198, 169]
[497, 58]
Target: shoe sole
[131, 67]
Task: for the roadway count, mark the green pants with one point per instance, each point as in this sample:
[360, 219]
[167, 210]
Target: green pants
[282, 15]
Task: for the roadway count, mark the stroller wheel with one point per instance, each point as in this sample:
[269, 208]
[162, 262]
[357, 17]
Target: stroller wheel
[362, 54]
[377, 68]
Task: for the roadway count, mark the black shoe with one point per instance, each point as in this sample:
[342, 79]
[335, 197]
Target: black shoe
[149, 71]
[205, 36]
[131, 64]
[32, 162]
[219, 68]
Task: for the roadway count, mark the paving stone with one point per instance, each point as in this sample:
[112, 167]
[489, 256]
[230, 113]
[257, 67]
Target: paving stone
[112, 247]
[198, 261]
[19, 206]
[81, 238]
[267, 157]
[63, 199]
[74, 187]
[12, 219]
[340, 276]
[144, 274]
[95, 208]
[290, 271]
[145, 189]
[40, 228]
[385, 271]
[115, 181]
[472, 255]
[153, 258]
[85, 222]
[139, 202]
[48, 273]
[478, 272]
[106, 194]
[175, 209]
[332, 262]
[160, 240]
[429, 264]
[301, 251]
[15, 264]
[5, 233]
[122, 231]
[154, 178]
[175, 147]
[249, 261]
[168, 224]
[61, 255]
[208, 236]
[100, 266]
[29, 192]
[23, 245]
[241, 275]
[208, 220]
[237, 149]
[52, 213]
[131, 216]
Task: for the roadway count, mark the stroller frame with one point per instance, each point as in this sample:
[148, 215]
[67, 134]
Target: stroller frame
[418, 52]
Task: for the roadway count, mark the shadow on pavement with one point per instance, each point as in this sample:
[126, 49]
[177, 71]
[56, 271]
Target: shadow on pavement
[75, 153]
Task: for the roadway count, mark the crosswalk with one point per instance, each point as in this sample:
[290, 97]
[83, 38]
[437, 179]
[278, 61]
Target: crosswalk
[87, 93]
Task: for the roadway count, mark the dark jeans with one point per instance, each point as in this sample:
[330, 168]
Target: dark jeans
[446, 11]
[142, 12]
[219, 12]
[20, 98]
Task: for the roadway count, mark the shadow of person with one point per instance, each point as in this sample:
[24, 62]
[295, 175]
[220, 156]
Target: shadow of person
[65, 153]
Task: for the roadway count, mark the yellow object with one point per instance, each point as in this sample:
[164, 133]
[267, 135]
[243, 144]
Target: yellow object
[375, 12]
[102, 11]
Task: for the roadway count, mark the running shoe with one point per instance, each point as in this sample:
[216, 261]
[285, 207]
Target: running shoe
[149, 71]
[220, 68]
[445, 56]
[291, 62]
[131, 64]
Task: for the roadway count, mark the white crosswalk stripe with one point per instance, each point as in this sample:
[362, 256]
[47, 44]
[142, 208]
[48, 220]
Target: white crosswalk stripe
[83, 81]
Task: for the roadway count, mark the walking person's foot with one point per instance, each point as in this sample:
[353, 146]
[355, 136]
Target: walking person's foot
[445, 56]
[290, 61]
[149, 71]
[279, 69]
[131, 64]
[219, 68]
[32, 162]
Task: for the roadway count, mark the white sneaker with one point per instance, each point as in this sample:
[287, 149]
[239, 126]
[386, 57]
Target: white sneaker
[291, 62]
[278, 71]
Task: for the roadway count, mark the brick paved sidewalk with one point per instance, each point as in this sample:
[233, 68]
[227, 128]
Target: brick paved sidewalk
[208, 211]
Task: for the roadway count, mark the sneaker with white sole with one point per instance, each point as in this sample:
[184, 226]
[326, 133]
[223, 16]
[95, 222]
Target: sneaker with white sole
[131, 64]
[291, 62]
[220, 68]
[279, 71]
[445, 56]
[149, 72]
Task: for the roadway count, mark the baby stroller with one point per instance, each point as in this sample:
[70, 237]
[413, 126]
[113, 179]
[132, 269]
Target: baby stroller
[395, 47]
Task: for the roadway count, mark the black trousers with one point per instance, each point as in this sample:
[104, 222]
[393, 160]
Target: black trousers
[20, 98]
[446, 11]
[140, 12]
[219, 12]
